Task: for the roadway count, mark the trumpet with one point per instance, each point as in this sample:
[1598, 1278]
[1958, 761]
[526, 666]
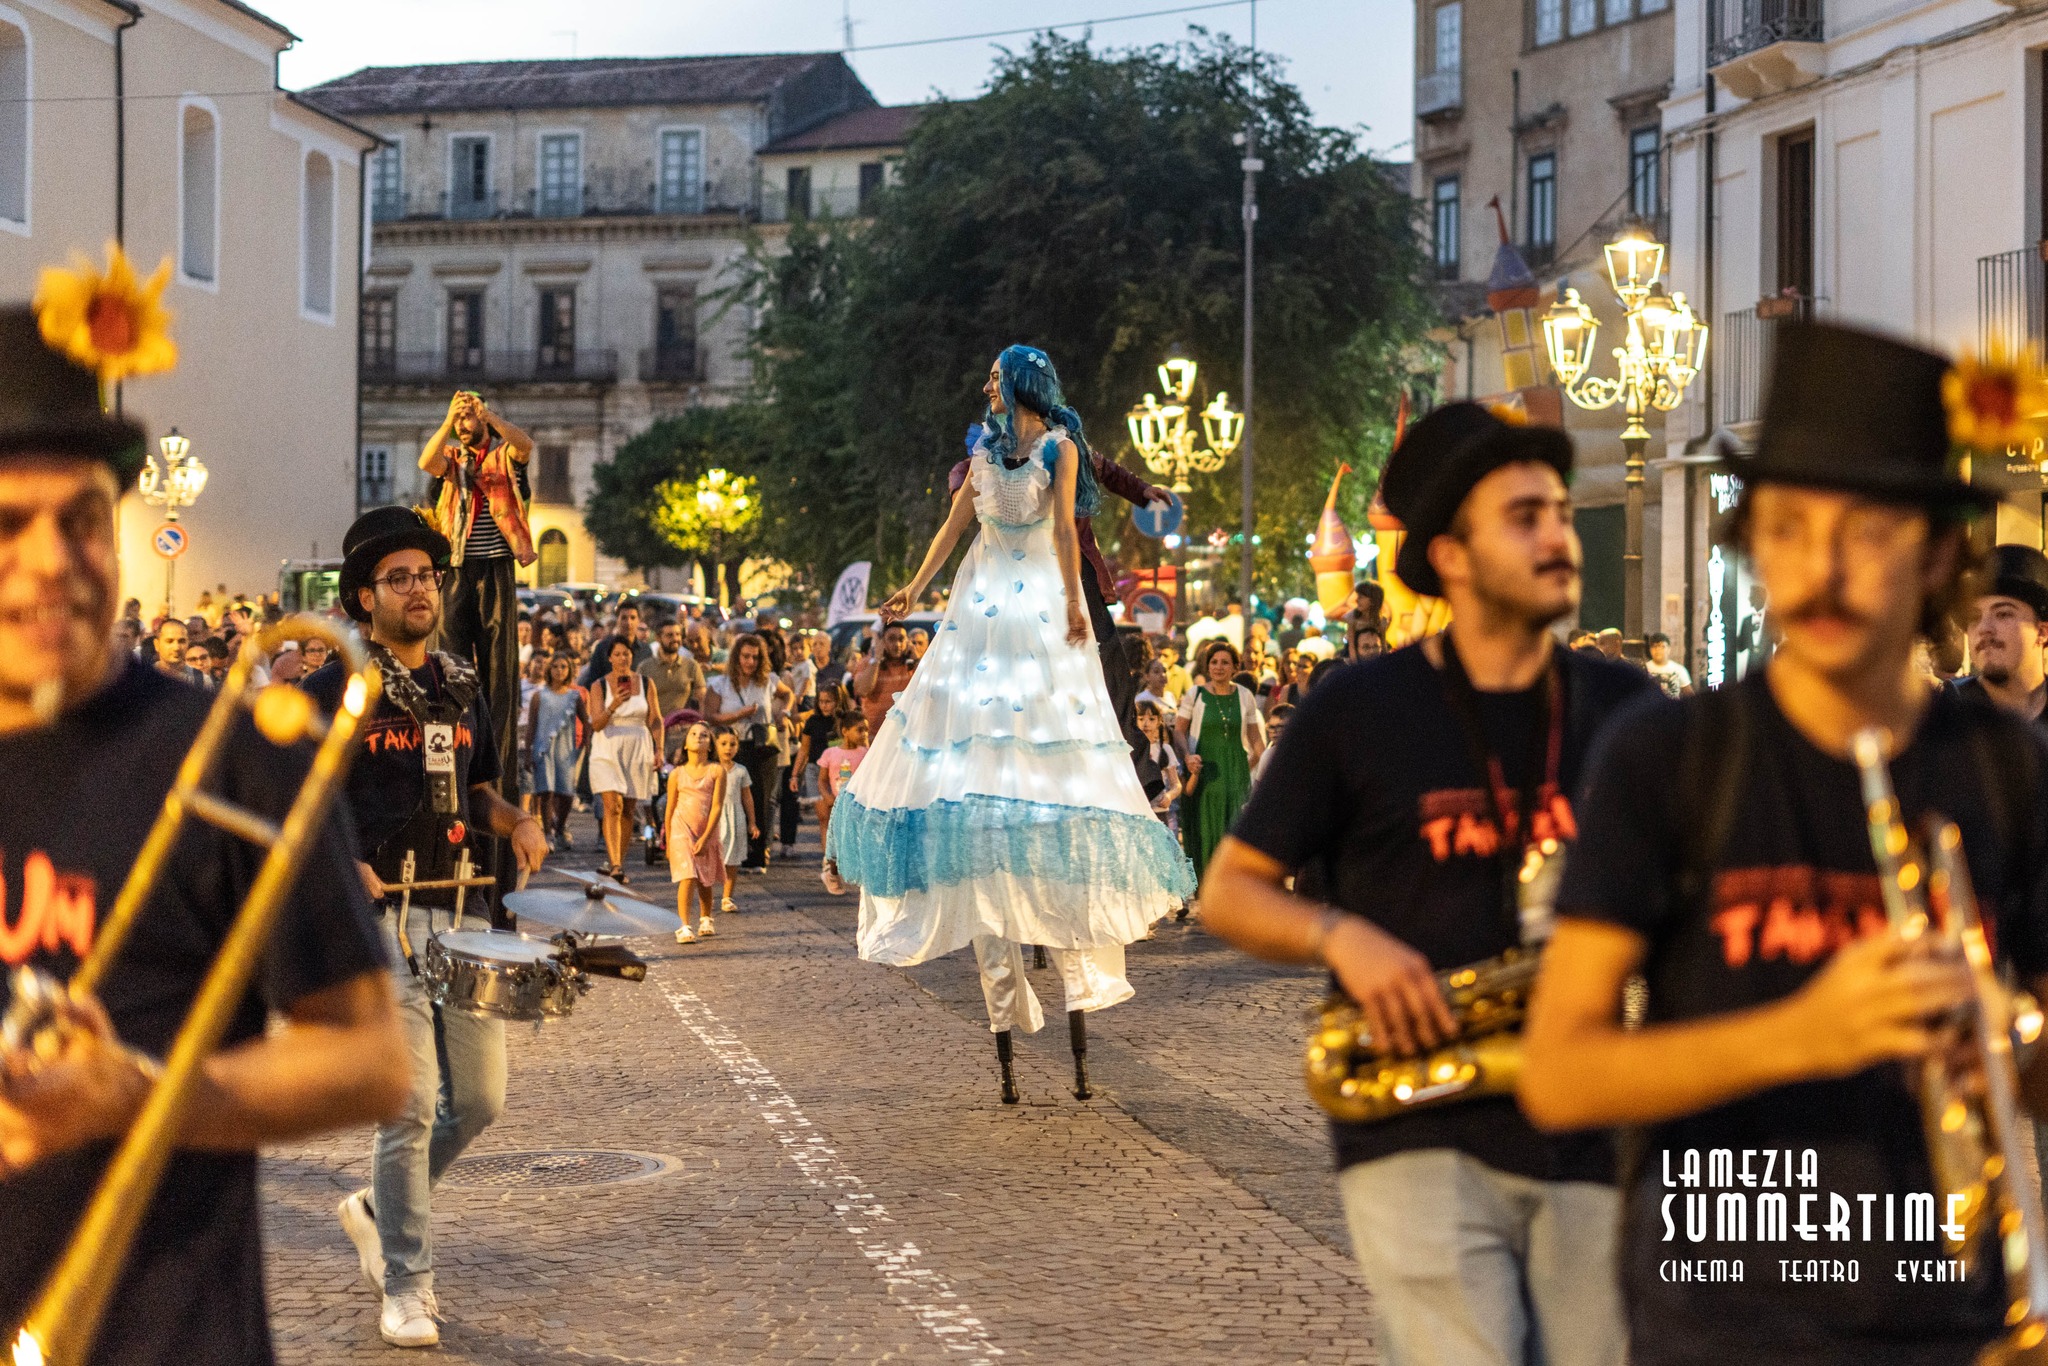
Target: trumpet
[1974, 1142]
[1354, 1078]
[64, 1318]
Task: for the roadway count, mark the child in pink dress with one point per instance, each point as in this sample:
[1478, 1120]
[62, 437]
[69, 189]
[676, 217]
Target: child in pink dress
[836, 767]
[696, 795]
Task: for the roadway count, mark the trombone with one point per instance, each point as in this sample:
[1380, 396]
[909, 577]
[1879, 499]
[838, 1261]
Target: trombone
[65, 1316]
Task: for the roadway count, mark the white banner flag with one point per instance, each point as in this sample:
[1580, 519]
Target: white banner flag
[849, 595]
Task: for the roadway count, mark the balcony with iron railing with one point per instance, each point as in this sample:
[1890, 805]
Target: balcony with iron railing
[1743, 349]
[674, 363]
[1439, 94]
[600, 196]
[1760, 47]
[545, 366]
[2010, 312]
[832, 201]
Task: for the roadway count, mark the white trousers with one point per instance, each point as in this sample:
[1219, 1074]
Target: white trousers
[1093, 979]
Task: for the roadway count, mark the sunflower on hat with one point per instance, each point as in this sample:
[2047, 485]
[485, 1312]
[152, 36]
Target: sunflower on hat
[110, 322]
[1997, 400]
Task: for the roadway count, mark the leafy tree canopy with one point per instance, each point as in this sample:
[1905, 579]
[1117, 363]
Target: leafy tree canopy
[1088, 203]
[627, 513]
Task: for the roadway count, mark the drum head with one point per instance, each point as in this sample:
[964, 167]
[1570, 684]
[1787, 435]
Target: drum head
[496, 946]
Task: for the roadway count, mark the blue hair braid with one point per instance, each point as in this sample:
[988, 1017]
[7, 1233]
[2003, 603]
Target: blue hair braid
[1028, 380]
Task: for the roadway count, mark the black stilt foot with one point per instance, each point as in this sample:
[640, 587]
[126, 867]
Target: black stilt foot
[1038, 955]
[1003, 1056]
[1077, 1030]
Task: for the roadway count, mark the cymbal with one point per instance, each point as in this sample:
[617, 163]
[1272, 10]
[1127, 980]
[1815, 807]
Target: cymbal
[610, 887]
[578, 911]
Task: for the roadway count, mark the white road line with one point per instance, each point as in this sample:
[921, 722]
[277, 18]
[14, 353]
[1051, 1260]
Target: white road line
[927, 1294]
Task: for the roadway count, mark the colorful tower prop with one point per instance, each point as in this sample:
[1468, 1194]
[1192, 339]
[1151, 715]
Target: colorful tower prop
[1332, 556]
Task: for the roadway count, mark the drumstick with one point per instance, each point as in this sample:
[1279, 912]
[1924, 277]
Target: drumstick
[448, 883]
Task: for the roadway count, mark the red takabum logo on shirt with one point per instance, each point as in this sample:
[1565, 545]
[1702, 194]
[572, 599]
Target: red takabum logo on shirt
[1458, 822]
[54, 910]
[1795, 913]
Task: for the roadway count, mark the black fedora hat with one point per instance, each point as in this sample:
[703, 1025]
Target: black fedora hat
[1859, 413]
[51, 406]
[1437, 464]
[2020, 572]
[377, 533]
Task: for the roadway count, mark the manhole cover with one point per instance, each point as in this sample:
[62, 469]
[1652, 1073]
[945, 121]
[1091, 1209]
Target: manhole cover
[556, 1169]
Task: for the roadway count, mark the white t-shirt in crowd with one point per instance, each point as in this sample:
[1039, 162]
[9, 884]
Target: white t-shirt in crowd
[1670, 676]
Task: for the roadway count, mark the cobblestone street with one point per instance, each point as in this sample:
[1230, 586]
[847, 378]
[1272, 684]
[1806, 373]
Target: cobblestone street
[833, 1178]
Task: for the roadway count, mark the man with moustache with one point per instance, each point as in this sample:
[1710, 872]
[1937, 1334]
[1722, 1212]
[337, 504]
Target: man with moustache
[1480, 1239]
[1780, 1001]
[91, 740]
[2009, 633]
[422, 789]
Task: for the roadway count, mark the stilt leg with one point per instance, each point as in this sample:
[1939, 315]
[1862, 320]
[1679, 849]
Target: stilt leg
[1003, 1055]
[1077, 1030]
[1038, 955]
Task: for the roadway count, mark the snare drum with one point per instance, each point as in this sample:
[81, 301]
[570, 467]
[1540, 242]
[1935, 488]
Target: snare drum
[506, 976]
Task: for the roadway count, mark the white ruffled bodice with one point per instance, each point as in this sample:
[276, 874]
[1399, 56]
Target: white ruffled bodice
[1020, 496]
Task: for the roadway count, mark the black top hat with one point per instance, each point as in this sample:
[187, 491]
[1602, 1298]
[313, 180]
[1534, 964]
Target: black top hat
[51, 406]
[1860, 413]
[375, 534]
[1437, 464]
[2020, 572]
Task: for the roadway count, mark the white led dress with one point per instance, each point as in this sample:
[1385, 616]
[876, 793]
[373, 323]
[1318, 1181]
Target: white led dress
[998, 805]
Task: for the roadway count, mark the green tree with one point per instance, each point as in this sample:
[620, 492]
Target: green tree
[1087, 203]
[628, 516]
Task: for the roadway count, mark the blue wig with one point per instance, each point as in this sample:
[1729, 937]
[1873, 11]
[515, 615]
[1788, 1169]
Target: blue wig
[1028, 381]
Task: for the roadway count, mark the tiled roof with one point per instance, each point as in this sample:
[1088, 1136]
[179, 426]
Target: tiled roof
[882, 126]
[575, 83]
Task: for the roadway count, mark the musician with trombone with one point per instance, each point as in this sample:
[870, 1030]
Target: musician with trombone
[1408, 791]
[423, 788]
[1741, 850]
[90, 744]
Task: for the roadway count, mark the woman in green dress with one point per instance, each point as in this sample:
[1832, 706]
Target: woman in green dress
[1220, 729]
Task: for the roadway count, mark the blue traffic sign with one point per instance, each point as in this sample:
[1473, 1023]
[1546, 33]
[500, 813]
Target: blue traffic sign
[1155, 521]
[169, 540]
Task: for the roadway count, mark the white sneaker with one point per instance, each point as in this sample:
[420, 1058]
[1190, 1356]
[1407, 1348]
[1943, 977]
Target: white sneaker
[361, 1227]
[409, 1320]
[706, 927]
[686, 935]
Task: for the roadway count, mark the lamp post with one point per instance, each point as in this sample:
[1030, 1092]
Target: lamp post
[1163, 436]
[1659, 356]
[173, 484]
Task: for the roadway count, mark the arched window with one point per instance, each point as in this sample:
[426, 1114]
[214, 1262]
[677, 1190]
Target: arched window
[14, 121]
[316, 271]
[554, 558]
[198, 193]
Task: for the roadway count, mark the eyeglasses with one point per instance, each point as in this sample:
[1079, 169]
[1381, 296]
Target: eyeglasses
[403, 581]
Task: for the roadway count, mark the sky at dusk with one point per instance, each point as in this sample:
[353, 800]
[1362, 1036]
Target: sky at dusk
[1351, 58]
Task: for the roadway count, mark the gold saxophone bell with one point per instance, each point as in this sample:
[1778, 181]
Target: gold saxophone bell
[64, 1319]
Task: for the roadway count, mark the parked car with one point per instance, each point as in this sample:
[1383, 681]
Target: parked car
[848, 631]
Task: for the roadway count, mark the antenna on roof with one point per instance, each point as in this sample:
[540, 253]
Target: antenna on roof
[846, 25]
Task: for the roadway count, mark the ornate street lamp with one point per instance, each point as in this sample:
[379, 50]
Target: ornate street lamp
[1659, 356]
[174, 484]
[1161, 433]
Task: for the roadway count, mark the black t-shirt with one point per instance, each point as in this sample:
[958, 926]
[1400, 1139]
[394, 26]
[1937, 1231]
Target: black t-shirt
[1793, 879]
[822, 731]
[192, 1290]
[1973, 691]
[1373, 795]
[387, 782]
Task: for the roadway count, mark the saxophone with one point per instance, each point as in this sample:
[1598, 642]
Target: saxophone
[1974, 1142]
[1356, 1080]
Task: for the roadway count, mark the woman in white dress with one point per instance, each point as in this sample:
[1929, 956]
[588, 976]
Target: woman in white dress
[625, 735]
[998, 806]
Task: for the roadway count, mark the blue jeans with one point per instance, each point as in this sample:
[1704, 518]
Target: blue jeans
[1469, 1266]
[458, 1090]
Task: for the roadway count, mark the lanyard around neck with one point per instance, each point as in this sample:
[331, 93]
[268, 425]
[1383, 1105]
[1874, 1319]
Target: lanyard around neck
[1501, 798]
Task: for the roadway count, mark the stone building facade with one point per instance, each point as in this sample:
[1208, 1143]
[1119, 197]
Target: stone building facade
[557, 234]
[1549, 110]
[255, 199]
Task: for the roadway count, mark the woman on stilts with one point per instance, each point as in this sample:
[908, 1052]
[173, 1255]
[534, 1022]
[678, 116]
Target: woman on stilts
[998, 806]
